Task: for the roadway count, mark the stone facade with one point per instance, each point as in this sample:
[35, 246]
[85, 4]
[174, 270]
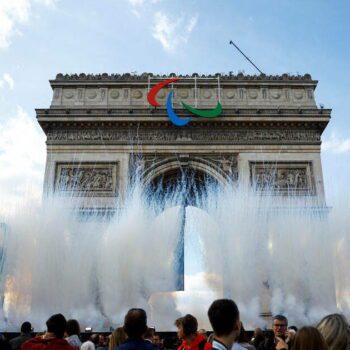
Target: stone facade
[99, 126]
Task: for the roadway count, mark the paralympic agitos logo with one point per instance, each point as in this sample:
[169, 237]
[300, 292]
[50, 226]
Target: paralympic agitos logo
[174, 118]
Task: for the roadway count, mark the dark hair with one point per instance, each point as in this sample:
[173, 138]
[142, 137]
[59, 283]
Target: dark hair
[258, 337]
[56, 324]
[149, 333]
[94, 338]
[243, 336]
[135, 323]
[189, 324]
[294, 328]
[280, 318]
[72, 327]
[178, 322]
[26, 327]
[223, 314]
[309, 338]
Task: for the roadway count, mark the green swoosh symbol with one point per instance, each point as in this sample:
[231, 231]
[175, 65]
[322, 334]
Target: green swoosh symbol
[204, 113]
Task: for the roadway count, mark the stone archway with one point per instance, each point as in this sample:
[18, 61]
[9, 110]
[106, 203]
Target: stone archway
[189, 174]
[188, 184]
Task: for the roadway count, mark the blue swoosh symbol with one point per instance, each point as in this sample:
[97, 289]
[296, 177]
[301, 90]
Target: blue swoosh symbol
[172, 115]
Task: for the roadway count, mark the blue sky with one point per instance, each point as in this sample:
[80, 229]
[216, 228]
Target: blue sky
[40, 38]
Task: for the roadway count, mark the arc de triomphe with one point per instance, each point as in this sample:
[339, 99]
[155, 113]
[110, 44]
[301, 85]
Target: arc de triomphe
[270, 127]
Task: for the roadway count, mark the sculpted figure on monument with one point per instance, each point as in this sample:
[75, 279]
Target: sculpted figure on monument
[78, 179]
[281, 178]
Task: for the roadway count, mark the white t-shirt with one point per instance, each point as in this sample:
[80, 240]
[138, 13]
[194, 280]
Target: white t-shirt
[74, 341]
[88, 345]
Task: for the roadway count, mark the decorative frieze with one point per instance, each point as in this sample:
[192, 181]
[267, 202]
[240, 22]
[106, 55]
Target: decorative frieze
[145, 76]
[87, 179]
[202, 95]
[183, 136]
[223, 167]
[282, 177]
[201, 90]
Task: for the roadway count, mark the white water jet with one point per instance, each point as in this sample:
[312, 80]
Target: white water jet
[239, 244]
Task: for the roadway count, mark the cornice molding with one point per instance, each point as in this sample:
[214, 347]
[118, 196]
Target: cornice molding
[145, 76]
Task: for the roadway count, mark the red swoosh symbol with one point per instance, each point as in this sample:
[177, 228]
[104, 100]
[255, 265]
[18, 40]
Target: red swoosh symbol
[151, 97]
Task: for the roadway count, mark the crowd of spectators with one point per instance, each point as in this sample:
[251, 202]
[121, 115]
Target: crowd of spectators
[330, 333]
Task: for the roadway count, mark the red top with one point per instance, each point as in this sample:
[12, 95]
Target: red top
[193, 346]
[38, 343]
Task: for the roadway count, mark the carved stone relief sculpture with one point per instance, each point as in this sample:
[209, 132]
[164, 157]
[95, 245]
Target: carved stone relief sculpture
[87, 179]
[282, 177]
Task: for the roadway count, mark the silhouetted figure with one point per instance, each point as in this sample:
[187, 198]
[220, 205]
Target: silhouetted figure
[53, 338]
[25, 335]
[90, 344]
[335, 330]
[277, 340]
[309, 338]
[73, 334]
[117, 338]
[187, 331]
[135, 326]
[224, 318]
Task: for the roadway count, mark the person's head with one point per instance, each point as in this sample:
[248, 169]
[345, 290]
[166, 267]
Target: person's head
[224, 318]
[26, 327]
[156, 340]
[179, 325]
[117, 338]
[258, 337]
[291, 334]
[335, 330]
[149, 334]
[95, 338]
[309, 338]
[258, 332]
[242, 337]
[294, 328]
[279, 326]
[101, 340]
[189, 325]
[203, 333]
[72, 327]
[56, 324]
[135, 323]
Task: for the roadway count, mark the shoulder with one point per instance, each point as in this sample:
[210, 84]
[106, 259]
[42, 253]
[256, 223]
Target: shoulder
[250, 347]
[34, 343]
[129, 344]
[60, 344]
[87, 345]
[207, 346]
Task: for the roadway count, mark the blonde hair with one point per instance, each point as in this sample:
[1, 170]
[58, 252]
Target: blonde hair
[118, 337]
[335, 331]
[309, 338]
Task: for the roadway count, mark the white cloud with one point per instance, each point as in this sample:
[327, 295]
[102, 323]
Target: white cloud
[22, 160]
[336, 145]
[171, 32]
[192, 23]
[138, 4]
[14, 13]
[7, 78]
